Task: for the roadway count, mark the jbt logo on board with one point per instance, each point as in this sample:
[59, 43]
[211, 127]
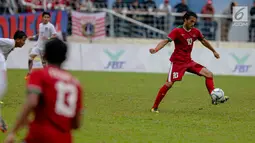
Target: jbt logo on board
[241, 60]
[115, 59]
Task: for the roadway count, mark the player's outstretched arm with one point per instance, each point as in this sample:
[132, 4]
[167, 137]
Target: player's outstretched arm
[30, 104]
[33, 37]
[54, 36]
[54, 32]
[160, 45]
[77, 120]
[209, 46]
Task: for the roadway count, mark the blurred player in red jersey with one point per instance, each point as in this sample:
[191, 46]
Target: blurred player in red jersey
[183, 37]
[55, 98]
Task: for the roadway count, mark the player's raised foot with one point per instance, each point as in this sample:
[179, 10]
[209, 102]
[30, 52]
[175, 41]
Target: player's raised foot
[3, 126]
[154, 110]
[226, 99]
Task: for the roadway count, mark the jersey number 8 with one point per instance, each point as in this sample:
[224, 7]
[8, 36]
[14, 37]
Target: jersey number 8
[67, 95]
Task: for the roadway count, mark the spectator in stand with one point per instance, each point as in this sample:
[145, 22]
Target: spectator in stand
[135, 6]
[150, 5]
[73, 4]
[165, 6]
[56, 4]
[252, 24]
[135, 30]
[118, 6]
[226, 22]
[33, 5]
[52, 4]
[25, 6]
[119, 22]
[100, 3]
[86, 5]
[68, 3]
[5, 7]
[208, 9]
[39, 5]
[209, 26]
[180, 8]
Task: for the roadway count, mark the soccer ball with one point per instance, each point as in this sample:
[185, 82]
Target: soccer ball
[218, 95]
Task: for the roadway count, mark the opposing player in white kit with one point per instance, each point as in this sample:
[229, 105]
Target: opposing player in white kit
[46, 31]
[6, 47]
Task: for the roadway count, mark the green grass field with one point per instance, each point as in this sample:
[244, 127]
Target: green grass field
[118, 107]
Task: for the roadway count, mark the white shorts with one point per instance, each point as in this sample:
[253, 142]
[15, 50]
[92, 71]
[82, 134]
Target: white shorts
[2, 63]
[36, 51]
[3, 81]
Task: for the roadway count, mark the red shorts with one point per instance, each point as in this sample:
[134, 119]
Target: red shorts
[177, 70]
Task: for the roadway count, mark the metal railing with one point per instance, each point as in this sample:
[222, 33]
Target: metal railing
[142, 24]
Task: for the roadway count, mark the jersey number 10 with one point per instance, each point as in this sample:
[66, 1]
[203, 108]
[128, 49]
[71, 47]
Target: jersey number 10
[67, 96]
[189, 41]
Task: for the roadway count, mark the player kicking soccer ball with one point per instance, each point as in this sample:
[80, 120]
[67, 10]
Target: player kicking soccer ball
[6, 47]
[55, 98]
[46, 31]
[180, 61]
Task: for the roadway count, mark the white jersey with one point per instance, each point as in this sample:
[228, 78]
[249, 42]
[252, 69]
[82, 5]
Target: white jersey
[6, 46]
[45, 32]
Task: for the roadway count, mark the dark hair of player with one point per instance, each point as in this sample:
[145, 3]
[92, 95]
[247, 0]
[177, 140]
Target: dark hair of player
[45, 13]
[188, 14]
[55, 51]
[19, 35]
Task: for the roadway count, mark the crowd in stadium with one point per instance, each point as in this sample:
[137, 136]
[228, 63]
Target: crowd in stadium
[14, 6]
[207, 25]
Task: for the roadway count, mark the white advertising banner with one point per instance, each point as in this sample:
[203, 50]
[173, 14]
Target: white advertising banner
[233, 61]
[136, 58]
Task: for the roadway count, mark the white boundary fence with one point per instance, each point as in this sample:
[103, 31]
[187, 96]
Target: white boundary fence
[236, 60]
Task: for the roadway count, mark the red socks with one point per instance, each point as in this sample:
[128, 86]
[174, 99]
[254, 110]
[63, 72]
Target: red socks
[209, 84]
[163, 90]
[161, 94]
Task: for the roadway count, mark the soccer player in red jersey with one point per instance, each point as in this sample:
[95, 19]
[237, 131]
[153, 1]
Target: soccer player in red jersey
[183, 37]
[55, 98]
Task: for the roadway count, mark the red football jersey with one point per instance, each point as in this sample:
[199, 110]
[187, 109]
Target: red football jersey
[183, 41]
[60, 100]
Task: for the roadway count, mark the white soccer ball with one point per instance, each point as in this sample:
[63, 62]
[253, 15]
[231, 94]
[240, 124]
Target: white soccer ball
[218, 94]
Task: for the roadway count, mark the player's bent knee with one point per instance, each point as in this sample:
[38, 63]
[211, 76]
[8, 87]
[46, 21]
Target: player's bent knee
[208, 74]
[169, 84]
[32, 56]
[3, 86]
[2, 90]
